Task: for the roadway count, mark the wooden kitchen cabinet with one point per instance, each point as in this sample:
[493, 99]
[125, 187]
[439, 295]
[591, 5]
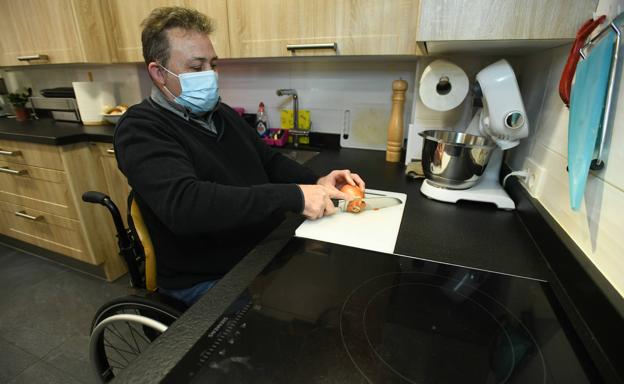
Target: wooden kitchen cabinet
[478, 25]
[67, 31]
[125, 20]
[41, 189]
[263, 28]
[117, 187]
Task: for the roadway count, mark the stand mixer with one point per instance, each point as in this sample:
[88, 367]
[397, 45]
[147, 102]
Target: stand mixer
[456, 166]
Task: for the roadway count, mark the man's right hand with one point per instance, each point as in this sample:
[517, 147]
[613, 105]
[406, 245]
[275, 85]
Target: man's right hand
[317, 201]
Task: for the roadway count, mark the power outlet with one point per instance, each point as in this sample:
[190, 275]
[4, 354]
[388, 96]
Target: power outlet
[535, 179]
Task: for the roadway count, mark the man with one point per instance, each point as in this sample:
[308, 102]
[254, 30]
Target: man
[209, 189]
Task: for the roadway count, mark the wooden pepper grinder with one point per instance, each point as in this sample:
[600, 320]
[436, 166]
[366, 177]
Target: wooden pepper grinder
[395, 127]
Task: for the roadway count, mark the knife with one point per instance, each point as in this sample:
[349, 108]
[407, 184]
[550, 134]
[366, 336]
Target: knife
[372, 203]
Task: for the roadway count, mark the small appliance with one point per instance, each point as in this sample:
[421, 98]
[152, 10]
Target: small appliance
[502, 120]
[59, 108]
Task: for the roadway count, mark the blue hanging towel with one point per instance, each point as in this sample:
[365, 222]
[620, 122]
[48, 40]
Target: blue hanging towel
[587, 101]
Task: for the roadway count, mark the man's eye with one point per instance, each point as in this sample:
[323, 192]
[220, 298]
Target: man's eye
[213, 65]
[197, 69]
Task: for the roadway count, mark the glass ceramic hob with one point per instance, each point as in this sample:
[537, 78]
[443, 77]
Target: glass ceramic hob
[322, 313]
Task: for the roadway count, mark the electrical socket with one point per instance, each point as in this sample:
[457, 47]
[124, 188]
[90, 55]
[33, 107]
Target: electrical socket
[535, 178]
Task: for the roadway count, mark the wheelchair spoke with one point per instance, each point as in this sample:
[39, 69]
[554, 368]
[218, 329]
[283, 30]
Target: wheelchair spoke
[120, 337]
[118, 350]
[141, 335]
[133, 338]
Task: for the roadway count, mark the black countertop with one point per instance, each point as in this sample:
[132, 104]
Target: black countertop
[467, 234]
[48, 131]
[472, 235]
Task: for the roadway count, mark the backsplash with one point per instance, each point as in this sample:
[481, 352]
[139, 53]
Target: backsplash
[598, 226]
[131, 81]
[354, 91]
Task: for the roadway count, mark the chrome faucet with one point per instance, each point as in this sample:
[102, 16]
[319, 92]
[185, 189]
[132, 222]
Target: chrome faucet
[293, 93]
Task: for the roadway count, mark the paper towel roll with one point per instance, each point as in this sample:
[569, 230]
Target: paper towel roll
[91, 97]
[443, 85]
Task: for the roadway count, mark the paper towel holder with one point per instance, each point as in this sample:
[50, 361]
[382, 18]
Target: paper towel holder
[598, 163]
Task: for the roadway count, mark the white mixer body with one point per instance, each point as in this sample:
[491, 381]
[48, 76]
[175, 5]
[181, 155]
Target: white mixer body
[503, 117]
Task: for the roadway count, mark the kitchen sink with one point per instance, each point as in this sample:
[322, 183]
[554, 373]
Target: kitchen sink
[300, 156]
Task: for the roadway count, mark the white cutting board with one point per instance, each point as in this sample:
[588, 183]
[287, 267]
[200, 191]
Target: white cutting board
[372, 230]
[366, 127]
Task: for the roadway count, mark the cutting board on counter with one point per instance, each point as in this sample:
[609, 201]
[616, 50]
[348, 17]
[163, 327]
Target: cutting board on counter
[365, 127]
[372, 230]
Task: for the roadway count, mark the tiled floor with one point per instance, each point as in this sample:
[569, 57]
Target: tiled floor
[45, 314]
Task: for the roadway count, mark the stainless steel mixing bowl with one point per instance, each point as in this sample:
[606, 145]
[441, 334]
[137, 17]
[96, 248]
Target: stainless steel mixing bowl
[454, 160]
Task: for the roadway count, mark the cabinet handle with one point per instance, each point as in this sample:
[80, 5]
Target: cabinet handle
[111, 151]
[10, 171]
[32, 57]
[294, 47]
[27, 216]
[10, 153]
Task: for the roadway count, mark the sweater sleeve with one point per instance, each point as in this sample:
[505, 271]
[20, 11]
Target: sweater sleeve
[159, 169]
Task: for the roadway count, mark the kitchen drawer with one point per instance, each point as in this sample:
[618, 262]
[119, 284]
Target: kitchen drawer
[38, 188]
[38, 155]
[105, 149]
[45, 230]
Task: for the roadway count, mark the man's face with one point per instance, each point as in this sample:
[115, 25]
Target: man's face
[189, 51]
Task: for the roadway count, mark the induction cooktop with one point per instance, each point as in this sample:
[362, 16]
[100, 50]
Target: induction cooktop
[323, 313]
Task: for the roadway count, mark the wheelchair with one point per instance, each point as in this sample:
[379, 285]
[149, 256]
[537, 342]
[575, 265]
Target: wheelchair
[124, 327]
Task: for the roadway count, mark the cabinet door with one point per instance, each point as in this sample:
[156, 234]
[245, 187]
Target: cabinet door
[67, 31]
[446, 20]
[116, 184]
[125, 19]
[263, 28]
[217, 11]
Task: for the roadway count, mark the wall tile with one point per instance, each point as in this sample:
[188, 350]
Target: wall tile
[552, 123]
[326, 88]
[597, 227]
[129, 79]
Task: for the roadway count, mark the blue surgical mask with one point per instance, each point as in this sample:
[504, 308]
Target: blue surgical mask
[200, 90]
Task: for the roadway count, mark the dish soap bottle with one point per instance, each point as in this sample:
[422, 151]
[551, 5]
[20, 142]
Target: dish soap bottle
[262, 121]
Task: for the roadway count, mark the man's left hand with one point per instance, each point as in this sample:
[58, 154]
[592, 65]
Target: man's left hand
[339, 178]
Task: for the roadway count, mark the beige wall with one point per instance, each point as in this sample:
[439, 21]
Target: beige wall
[598, 228]
[130, 80]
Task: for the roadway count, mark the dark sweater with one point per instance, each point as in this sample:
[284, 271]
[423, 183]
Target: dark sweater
[207, 199]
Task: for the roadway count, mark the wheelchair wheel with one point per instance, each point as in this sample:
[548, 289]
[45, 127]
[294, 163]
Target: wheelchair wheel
[123, 328]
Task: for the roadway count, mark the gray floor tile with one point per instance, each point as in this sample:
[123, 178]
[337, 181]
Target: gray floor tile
[47, 314]
[47, 309]
[13, 361]
[19, 270]
[43, 373]
[29, 338]
[72, 357]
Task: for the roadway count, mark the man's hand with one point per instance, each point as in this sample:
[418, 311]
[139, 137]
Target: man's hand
[317, 201]
[338, 179]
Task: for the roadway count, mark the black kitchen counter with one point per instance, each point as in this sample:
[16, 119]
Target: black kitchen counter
[468, 234]
[48, 131]
[471, 235]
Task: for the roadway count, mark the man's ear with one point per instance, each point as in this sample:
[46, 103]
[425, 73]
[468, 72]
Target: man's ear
[156, 73]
